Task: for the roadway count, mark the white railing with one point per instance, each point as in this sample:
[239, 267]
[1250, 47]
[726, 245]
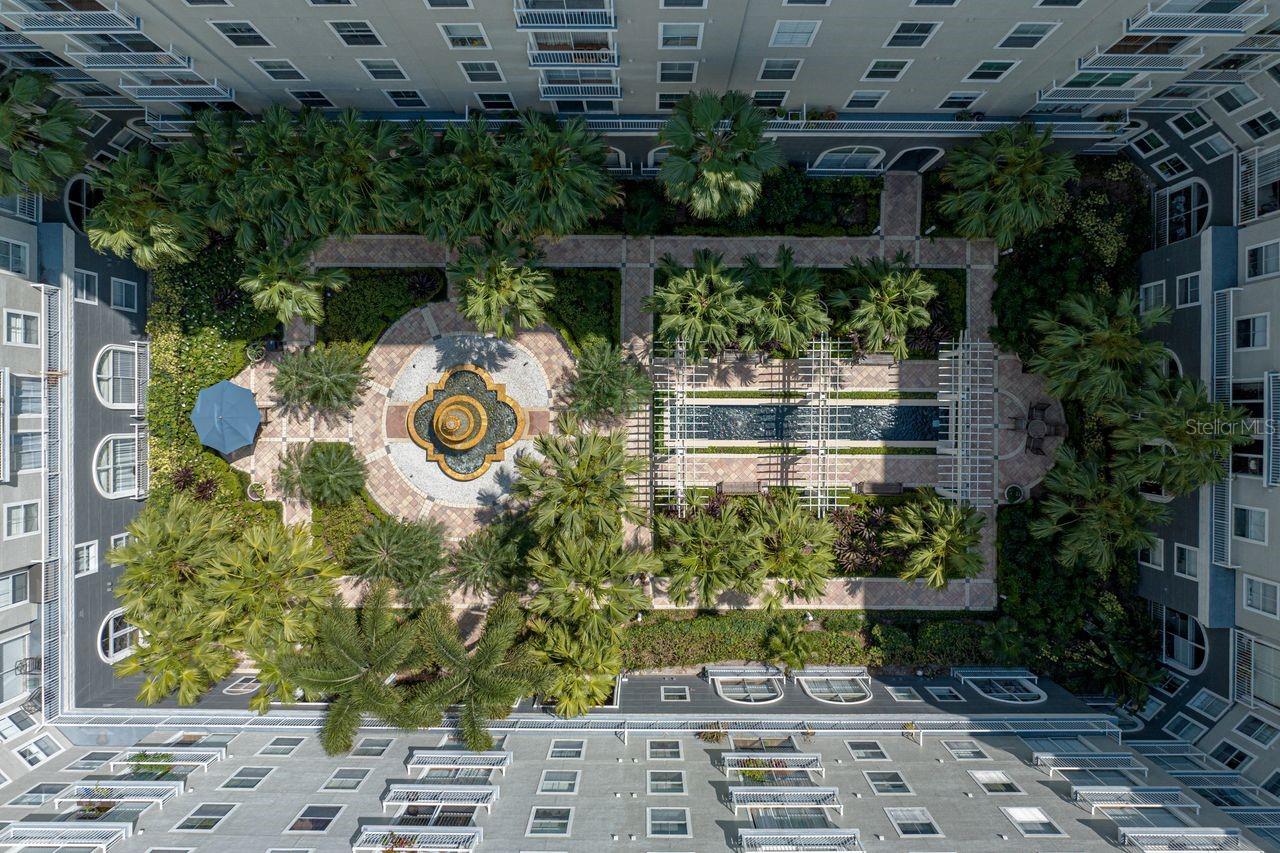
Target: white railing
[6, 422]
[1271, 447]
[141, 377]
[1242, 667]
[120, 792]
[565, 19]
[16, 41]
[24, 206]
[762, 761]
[1219, 76]
[417, 839]
[139, 61]
[1260, 43]
[1175, 17]
[399, 794]
[602, 91]
[97, 836]
[114, 21]
[570, 58]
[195, 91]
[783, 796]
[141, 460]
[750, 840]
[172, 755]
[1220, 492]
[1151, 839]
[444, 759]
[1056, 94]
[1065, 762]
[1123, 797]
[1097, 60]
[56, 328]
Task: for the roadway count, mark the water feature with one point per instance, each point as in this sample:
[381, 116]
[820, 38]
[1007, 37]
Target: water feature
[465, 422]
[775, 422]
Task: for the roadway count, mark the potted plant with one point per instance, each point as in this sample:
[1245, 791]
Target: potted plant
[154, 764]
[716, 735]
[96, 805]
[753, 770]
[256, 491]
[255, 352]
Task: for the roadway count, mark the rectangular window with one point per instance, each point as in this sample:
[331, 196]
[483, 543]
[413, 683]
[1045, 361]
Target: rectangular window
[544, 820]
[1272, 785]
[904, 694]
[86, 284]
[667, 100]
[372, 747]
[1185, 124]
[1231, 756]
[21, 328]
[205, 817]
[1262, 260]
[1261, 596]
[315, 818]
[124, 294]
[1209, 703]
[1188, 287]
[355, 33]
[683, 4]
[887, 783]
[1152, 556]
[28, 396]
[866, 750]
[665, 750]
[1183, 727]
[279, 69]
[1025, 36]
[1212, 149]
[311, 98]
[965, 750]
[1236, 97]
[675, 693]
[995, 782]
[567, 749]
[1172, 167]
[794, 33]
[21, 519]
[383, 69]
[1263, 124]
[464, 36]
[913, 823]
[945, 694]
[1186, 562]
[559, 782]
[482, 72]
[668, 823]
[769, 99]
[449, 4]
[497, 101]
[685, 36]
[1032, 822]
[1257, 729]
[666, 782]
[960, 100]
[780, 69]
[246, 778]
[38, 795]
[28, 451]
[677, 72]
[89, 762]
[991, 70]
[1251, 332]
[912, 34]
[887, 69]
[1150, 296]
[241, 33]
[864, 100]
[281, 746]
[13, 257]
[85, 559]
[1149, 143]
[14, 590]
[406, 98]
[345, 779]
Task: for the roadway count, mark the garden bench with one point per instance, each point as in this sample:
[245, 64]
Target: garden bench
[738, 487]
[867, 488]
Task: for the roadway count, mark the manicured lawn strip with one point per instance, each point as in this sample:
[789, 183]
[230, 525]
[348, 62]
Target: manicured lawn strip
[374, 299]
[587, 305]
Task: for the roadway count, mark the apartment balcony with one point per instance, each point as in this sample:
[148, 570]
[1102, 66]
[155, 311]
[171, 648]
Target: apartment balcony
[1056, 94]
[1171, 105]
[751, 840]
[1172, 18]
[573, 58]
[587, 91]
[16, 41]
[1260, 43]
[169, 125]
[417, 839]
[565, 19]
[113, 20]
[163, 60]
[105, 102]
[194, 91]
[1153, 62]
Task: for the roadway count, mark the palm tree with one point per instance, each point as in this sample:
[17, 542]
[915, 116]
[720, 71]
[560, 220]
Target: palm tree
[890, 307]
[484, 684]
[491, 560]
[351, 663]
[788, 643]
[324, 473]
[1094, 519]
[473, 186]
[411, 555]
[325, 377]
[1007, 183]
[786, 310]
[718, 156]
[702, 305]
[575, 483]
[138, 218]
[590, 586]
[498, 294]
[38, 135]
[941, 539]
[283, 282]
[608, 384]
[1097, 350]
[558, 179]
[705, 555]
[580, 673]
[797, 548]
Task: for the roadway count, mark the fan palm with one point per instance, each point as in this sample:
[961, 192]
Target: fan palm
[941, 539]
[558, 179]
[705, 555]
[718, 156]
[702, 305]
[1098, 349]
[499, 294]
[608, 384]
[590, 586]
[1174, 435]
[37, 134]
[580, 672]
[483, 684]
[890, 307]
[410, 555]
[491, 560]
[788, 644]
[138, 217]
[575, 483]
[325, 377]
[1007, 183]
[324, 473]
[786, 309]
[282, 282]
[350, 664]
[474, 186]
[797, 548]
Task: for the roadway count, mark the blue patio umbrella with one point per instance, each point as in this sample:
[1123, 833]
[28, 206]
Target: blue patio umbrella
[226, 417]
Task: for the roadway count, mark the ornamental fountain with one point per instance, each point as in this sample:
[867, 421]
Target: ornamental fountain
[465, 422]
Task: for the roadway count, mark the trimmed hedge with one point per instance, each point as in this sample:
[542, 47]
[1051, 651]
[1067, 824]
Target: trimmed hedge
[373, 299]
[587, 306]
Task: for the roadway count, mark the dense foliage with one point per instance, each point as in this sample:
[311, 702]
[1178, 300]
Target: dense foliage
[372, 300]
[408, 554]
[325, 378]
[323, 472]
[609, 383]
[39, 135]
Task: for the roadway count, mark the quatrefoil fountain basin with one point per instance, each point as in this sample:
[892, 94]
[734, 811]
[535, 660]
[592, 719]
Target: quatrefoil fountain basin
[465, 422]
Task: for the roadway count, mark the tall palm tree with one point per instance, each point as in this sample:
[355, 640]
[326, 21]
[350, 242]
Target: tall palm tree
[889, 308]
[282, 282]
[37, 135]
[786, 309]
[325, 377]
[609, 383]
[702, 305]
[941, 540]
[138, 217]
[1007, 183]
[590, 586]
[1094, 519]
[499, 294]
[410, 555]
[580, 672]
[473, 181]
[718, 156]
[575, 483]
[351, 663]
[705, 555]
[492, 560]
[797, 550]
[483, 684]
[1096, 350]
[558, 179]
[1174, 435]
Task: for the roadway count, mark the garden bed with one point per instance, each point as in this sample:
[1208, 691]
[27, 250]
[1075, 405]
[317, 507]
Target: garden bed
[374, 299]
[340, 523]
[587, 306]
[933, 188]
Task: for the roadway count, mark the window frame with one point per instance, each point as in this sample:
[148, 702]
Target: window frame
[1053, 28]
[1235, 325]
[533, 815]
[1008, 813]
[266, 41]
[1205, 691]
[258, 64]
[1179, 548]
[1191, 723]
[404, 75]
[502, 77]
[1177, 290]
[934, 27]
[34, 531]
[109, 440]
[87, 274]
[572, 792]
[26, 257]
[1247, 249]
[16, 312]
[649, 744]
[225, 786]
[662, 37]
[231, 808]
[1244, 595]
[329, 822]
[16, 438]
[773, 36]
[327, 787]
[649, 791]
[488, 44]
[130, 631]
[983, 755]
[795, 72]
[92, 548]
[1195, 147]
[879, 748]
[883, 93]
[582, 750]
[261, 753]
[132, 284]
[648, 822]
[969, 78]
[662, 693]
[866, 78]
[414, 94]
[896, 812]
[480, 96]
[297, 94]
[1274, 130]
[10, 577]
[872, 784]
[1018, 791]
[1239, 768]
[333, 27]
[1252, 714]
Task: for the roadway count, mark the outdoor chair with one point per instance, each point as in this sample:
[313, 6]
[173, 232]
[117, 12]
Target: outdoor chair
[1019, 423]
[1039, 411]
[1035, 445]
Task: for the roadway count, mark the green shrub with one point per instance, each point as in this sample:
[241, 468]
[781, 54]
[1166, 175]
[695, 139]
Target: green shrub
[687, 640]
[373, 299]
[783, 199]
[586, 306]
[894, 644]
[609, 383]
[843, 620]
[951, 642]
[338, 524]
[324, 473]
[325, 377]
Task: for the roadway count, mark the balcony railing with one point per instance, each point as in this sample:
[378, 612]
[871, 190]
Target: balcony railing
[1260, 43]
[591, 91]
[1056, 94]
[572, 58]
[6, 439]
[115, 20]
[1271, 445]
[1172, 105]
[751, 840]
[407, 838]
[1099, 61]
[144, 61]
[838, 172]
[16, 41]
[201, 91]
[1168, 19]
[1218, 76]
[566, 19]
[141, 377]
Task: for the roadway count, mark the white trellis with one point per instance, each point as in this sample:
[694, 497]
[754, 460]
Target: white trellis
[967, 467]
[679, 420]
[821, 376]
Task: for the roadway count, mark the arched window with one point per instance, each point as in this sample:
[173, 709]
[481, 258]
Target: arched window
[1187, 209]
[849, 158]
[116, 637]
[838, 690]
[657, 155]
[1014, 690]
[1184, 643]
[115, 466]
[78, 199]
[115, 377]
[614, 158]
